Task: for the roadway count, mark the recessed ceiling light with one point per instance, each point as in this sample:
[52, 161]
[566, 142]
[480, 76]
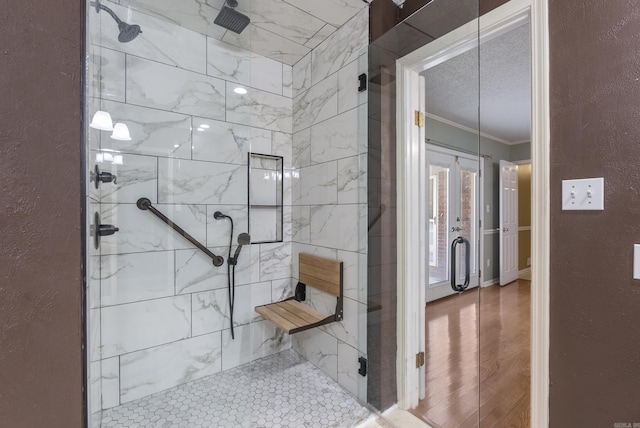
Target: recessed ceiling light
[240, 91]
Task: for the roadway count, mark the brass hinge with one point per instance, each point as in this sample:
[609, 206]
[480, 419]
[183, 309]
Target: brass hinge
[419, 359]
[419, 118]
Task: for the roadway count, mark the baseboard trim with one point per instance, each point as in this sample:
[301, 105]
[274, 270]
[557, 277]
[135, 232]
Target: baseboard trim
[490, 282]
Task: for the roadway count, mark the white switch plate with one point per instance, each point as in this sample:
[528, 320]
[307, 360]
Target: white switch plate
[636, 261]
[583, 194]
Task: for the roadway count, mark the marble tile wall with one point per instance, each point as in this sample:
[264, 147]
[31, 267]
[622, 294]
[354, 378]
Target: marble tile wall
[158, 307]
[329, 195]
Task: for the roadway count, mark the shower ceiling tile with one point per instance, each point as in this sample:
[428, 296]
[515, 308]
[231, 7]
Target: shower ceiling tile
[268, 44]
[334, 12]
[282, 18]
[320, 36]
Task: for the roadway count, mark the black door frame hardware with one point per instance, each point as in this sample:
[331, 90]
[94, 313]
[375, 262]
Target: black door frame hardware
[105, 177]
[467, 260]
[145, 204]
[98, 230]
[363, 366]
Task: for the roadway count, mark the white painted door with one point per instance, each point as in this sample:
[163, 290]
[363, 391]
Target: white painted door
[452, 212]
[508, 222]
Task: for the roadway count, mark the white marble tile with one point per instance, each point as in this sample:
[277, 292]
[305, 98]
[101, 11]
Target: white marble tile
[210, 311]
[282, 289]
[354, 275]
[282, 146]
[161, 40]
[300, 224]
[261, 141]
[363, 129]
[266, 74]
[320, 349]
[218, 141]
[282, 18]
[320, 36]
[302, 75]
[275, 261]
[141, 231]
[261, 294]
[267, 44]
[301, 148]
[363, 228]
[348, 376]
[349, 180]
[93, 274]
[271, 111]
[319, 184]
[287, 80]
[153, 132]
[236, 351]
[136, 178]
[110, 382]
[336, 138]
[95, 335]
[255, 263]
[348, 330]
[267, 340]
[264, 224]
[196, 272]
[265, 186]
[348, 95]
[134, 326]
[133, 277]
[238, 105]
[164, 87]
[228, 62]
[95, 387]
[218, 230]
[317, 104]
[196, 15]
[108, 76]
[335, 12]
[287, 220]
[335, 226]
[152, 370]
[341, 47]
[193, 182]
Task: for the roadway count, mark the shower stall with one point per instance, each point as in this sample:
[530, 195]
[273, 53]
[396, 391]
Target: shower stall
[197, 127]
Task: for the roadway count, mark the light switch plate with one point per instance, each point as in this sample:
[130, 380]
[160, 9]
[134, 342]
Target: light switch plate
[636, 261]
[583, 194]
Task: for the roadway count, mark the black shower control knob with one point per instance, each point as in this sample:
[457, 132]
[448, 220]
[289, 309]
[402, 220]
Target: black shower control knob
[107, 229]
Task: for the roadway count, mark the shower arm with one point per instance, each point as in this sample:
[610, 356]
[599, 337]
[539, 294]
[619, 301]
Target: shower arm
[145, 204]
[99, 7]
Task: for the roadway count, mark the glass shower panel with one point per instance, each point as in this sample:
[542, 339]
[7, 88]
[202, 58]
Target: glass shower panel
[161, 306]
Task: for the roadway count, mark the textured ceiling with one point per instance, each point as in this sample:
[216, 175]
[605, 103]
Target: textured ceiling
[285, 30]
[504, 79]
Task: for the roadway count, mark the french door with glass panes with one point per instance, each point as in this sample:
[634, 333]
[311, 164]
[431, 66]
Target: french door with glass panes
[452, 213]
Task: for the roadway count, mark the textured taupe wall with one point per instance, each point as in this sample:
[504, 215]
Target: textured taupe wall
[40, 214]
[595, 132]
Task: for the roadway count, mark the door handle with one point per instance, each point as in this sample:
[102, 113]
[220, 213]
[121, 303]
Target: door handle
[505, 229]
[467, 260]
[457, 229]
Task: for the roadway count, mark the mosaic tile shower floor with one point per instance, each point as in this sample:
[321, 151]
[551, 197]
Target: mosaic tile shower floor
[280, 391]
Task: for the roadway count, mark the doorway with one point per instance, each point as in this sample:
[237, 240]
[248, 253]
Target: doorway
[452, 213]
[411, 139]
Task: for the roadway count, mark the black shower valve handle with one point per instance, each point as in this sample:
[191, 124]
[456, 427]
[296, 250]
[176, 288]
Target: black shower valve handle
[105, 177]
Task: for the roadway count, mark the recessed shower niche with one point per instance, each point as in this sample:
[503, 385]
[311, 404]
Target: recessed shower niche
[265, 198]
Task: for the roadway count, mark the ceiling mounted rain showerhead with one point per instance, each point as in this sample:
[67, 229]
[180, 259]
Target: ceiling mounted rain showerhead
[231, 19]
[128, 32]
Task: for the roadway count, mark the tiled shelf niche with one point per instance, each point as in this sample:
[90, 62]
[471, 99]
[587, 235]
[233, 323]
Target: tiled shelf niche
[265, 198]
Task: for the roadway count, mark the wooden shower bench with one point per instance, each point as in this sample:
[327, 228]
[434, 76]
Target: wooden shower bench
[293, 316]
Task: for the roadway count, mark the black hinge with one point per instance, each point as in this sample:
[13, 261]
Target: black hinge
[362, 82]
[363, 366]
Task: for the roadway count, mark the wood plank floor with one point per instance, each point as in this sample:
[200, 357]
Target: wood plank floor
[478, 379]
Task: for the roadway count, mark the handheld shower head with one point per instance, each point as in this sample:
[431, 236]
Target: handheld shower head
[243, 239]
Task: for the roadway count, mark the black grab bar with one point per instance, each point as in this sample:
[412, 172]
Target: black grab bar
[467, 259]
[145, 204]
